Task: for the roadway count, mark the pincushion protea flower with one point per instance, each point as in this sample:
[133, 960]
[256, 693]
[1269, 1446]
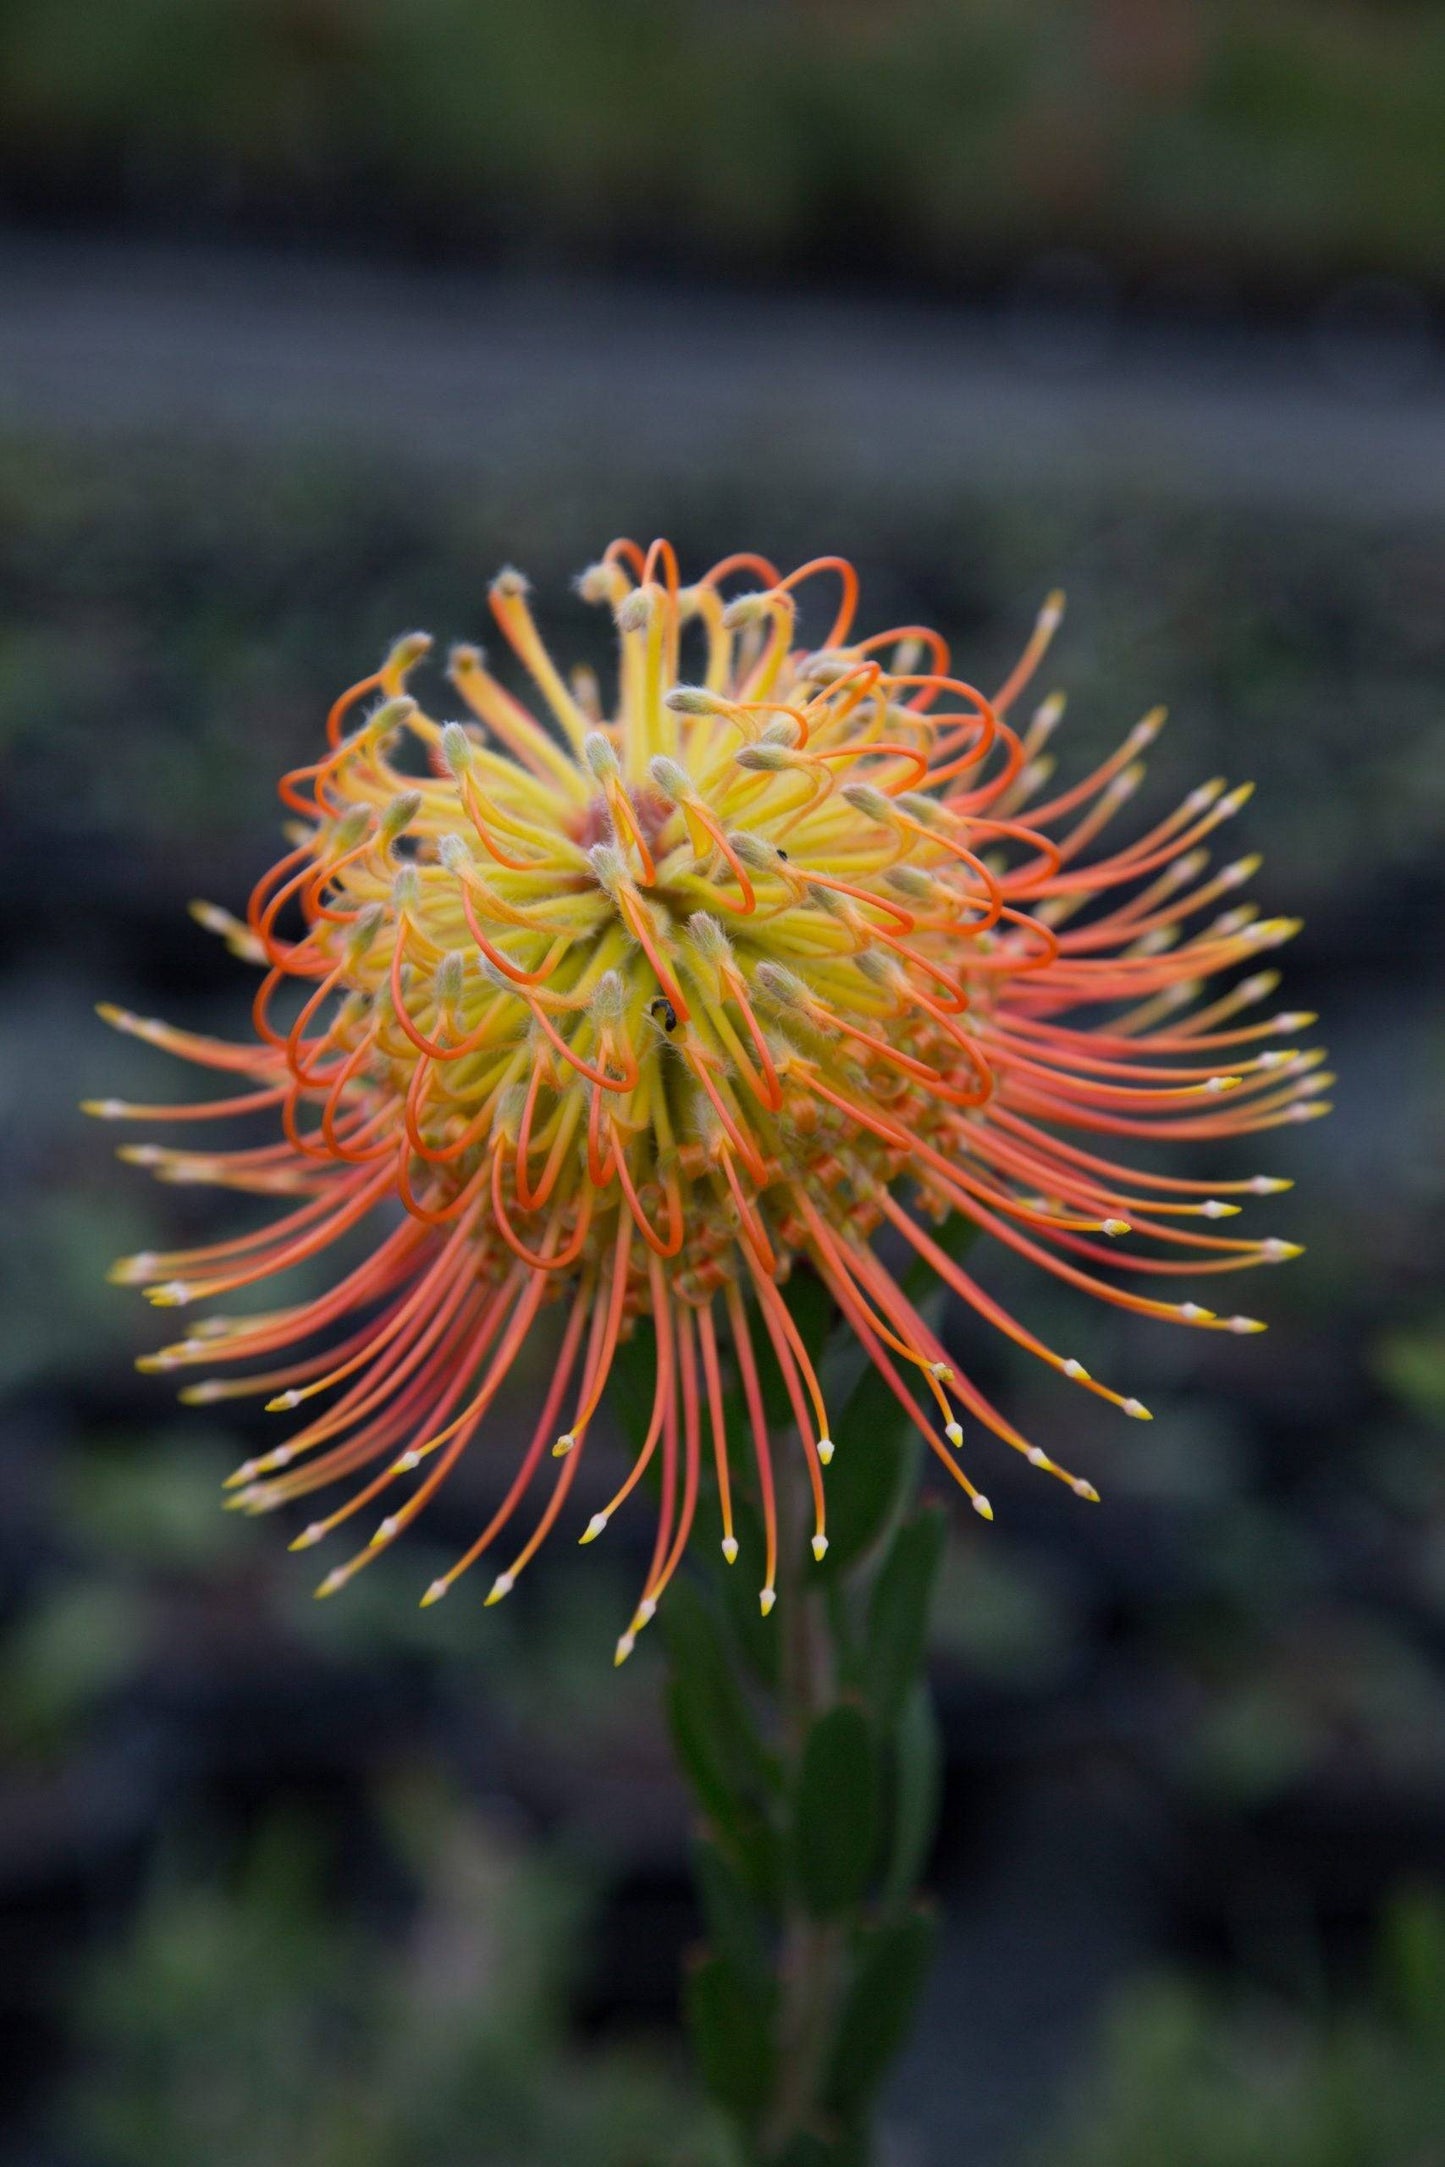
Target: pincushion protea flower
[637, 1013]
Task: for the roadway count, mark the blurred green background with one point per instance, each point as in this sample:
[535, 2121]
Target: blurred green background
[313, 314]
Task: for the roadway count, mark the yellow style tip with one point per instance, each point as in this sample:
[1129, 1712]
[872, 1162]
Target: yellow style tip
[593, 1528]
[766, 1599]
[502, 1585]
[730, 1549]
[434, 1594]
[820, 1547]
[174, 1294]
[982, 1507]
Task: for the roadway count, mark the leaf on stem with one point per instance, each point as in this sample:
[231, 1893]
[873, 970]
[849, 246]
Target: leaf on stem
[731, 2028]
[892, 1964]
[917, 1794]
[898, 1613]
[835, 1811]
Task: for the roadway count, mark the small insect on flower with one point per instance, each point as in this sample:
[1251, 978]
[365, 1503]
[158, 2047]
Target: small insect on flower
[634, 1014]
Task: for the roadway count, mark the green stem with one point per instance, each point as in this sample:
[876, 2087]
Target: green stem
[813, 1758]
[811, 1954]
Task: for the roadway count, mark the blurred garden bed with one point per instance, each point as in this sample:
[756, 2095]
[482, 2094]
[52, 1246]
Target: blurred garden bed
[1275, 150]
[1242, 1649]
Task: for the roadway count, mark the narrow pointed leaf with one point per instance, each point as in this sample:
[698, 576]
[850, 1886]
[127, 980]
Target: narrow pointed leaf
[731, 2026]
[733, 1919]
[917, 1794]
[835, 1811]
[892, 1964]
[878, 1447]
[898, 1613]
[705, 1673]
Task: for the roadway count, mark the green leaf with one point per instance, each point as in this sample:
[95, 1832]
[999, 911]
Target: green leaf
[733, 1775]
[835, 1811]
[1412, 1962]
[732, 1918]
[631, 1381]
[812, 1310]
[731, 2026]
[705, 1672]
[892, 1964]
[738, 1585]
[841, 2148]
[917, 1794]
[875, 1459]
[741, 1826]
[955, 1237]
[878, 1448]
[898, 1613]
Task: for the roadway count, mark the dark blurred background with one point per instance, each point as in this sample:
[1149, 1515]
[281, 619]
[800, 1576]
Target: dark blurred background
[312, 314]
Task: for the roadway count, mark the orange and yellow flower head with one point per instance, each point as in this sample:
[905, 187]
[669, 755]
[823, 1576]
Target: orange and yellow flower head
[636, 1008]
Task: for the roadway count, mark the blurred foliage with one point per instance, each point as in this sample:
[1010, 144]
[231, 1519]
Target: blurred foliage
[1202, 2080]
[1257, 1611]
[929, 137]
[242, 2022]
[1412, 1364]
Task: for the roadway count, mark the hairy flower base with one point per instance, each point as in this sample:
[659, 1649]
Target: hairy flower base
[634, 1013]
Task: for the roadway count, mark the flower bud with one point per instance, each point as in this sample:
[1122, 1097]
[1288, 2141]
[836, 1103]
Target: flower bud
[756, 855]
[609, 1000]
[456, 749]
[672, 780]
[691, 700]
[870, 802]
[598, 753]
[709, 937]
[399, 815]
